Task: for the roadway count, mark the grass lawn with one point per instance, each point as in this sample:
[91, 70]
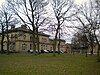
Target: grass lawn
[46, 64]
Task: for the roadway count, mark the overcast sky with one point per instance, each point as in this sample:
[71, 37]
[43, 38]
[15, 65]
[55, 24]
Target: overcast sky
[80, 1]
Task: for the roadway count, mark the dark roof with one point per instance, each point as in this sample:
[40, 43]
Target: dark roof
[58, 40]
[26, 30]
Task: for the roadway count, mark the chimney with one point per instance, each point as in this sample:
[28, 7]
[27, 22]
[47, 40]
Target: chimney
[12, 26]
[24, 26]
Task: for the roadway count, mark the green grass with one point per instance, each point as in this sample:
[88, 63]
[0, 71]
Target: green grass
[46, 64]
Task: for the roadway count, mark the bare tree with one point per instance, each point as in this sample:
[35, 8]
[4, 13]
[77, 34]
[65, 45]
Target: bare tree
[60, 8]
[7, 19]
[39, 22]
[88, 15]
[26, 10]
[2, 34]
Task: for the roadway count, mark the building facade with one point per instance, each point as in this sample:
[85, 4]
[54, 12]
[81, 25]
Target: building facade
[20, 40]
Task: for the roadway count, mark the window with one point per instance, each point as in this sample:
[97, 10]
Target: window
[41, 48]
[12, 46]
[24, 46]
[51, 48]
[46, 47]
[30, 46]
[24, 36]
[31, 38]
[44, 40]
[12, 36]
[20, 34]
[16, 36]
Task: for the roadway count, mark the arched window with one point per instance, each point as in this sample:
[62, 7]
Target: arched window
[31, 38]
[24, 36]
[24, 46]
[30, 46]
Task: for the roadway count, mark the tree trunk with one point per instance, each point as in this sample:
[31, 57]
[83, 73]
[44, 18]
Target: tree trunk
[34, 45]
[33, 38]
[2, 39]
[7, 43]
[37, 40]
[7, 39]
[91, 49]
[2, 50]
[91, 43]
[86, 52]
[38, 48]
[55, 40]
[98, 51]
[54, 45]
[59, 44]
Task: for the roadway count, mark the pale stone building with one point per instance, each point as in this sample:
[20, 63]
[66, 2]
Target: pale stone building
[21, 40]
